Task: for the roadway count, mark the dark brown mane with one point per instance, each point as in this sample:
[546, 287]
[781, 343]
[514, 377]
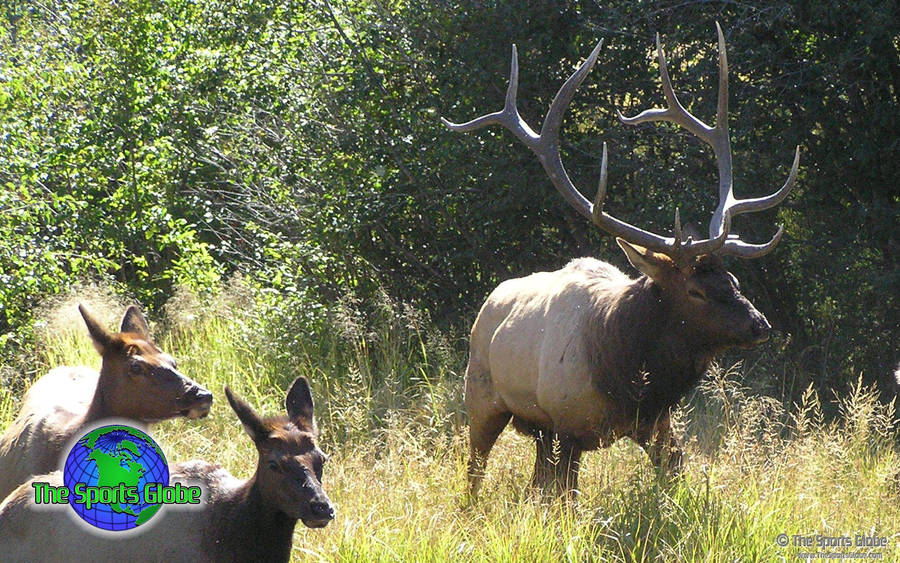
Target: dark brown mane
[637, 355]
[248, 529]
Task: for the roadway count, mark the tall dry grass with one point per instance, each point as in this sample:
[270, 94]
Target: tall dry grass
[388, 390]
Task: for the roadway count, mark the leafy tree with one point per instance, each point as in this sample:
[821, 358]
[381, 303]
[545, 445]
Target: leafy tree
[158, 144]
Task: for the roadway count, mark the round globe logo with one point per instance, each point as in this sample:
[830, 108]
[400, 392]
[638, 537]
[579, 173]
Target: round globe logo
[108, 471]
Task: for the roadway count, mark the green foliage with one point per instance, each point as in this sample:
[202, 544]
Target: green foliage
[298, 143]
[87, 162]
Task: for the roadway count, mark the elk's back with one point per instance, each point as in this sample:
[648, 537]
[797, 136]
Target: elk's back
[172, 535]
[48, 419]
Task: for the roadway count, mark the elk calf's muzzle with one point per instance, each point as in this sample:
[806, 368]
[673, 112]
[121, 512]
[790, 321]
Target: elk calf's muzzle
[322, 510]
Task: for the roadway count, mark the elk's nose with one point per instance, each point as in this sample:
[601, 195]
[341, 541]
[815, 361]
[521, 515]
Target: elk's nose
[201, 395]
[200, 400]
[761, 328]
[321, 509]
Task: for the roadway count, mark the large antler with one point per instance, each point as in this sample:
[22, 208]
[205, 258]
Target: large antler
[717, 137]
[546, 147]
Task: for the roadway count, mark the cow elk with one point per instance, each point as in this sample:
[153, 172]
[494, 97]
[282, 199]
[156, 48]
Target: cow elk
[250, 520]
[585, 355]
[136, 381]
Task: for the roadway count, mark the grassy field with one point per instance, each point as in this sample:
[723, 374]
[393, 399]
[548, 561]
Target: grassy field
[389, 407]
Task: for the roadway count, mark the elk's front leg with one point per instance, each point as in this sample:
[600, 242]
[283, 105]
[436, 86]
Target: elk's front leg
[660, 444]
[556, 464]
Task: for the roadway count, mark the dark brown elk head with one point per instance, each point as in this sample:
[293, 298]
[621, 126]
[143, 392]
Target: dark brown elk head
[704, 299]
[289, 471]
[137, 379]
[703, 296]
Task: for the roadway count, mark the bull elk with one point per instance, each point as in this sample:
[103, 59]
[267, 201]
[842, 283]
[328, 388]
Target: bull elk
[250, 520]
[137, 381]
[585, 355]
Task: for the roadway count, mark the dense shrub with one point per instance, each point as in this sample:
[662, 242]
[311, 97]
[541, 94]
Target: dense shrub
[163, 144]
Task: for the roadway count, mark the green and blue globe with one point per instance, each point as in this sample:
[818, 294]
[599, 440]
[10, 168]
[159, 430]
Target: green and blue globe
[107, 457]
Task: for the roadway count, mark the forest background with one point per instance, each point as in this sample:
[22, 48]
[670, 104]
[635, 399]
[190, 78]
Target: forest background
[274, 177]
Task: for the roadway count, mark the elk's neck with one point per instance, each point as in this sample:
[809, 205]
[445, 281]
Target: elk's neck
[100, 405]
[250, 530]
[647, 360]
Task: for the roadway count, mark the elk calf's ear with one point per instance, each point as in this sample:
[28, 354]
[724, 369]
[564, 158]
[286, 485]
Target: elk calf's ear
[299, 404]
[653, 264]
[134, 322]
[99, 335]
[253, 424]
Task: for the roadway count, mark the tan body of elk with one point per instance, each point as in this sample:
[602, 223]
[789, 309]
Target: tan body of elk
[136, 381]
[250, 520]
[585, 355]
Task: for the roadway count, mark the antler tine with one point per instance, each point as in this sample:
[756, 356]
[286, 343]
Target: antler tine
[769, 201]
[597, 208]
[743, 249]
[546, 147]
[675, 112]
[625, 230]
[678, 238]
[722, 106]
[746, 250]
[562, 99]
[508, 117]
[718, 138]
[721, 220]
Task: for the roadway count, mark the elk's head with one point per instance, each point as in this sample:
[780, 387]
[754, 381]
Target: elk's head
[289, 471]
[137, 379]
[688, 269]
[704, 298]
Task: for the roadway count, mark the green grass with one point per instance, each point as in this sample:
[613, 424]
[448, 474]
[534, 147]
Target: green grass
[388, 403]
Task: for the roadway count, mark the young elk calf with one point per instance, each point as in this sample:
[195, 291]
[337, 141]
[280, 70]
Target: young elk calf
[249, 520]
[136, 381]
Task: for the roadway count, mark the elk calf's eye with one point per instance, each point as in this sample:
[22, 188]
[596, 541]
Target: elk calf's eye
[273, 466]
[136, 368]
[696, 294]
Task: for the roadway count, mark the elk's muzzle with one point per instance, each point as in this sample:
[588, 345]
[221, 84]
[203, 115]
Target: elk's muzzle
[199, 401]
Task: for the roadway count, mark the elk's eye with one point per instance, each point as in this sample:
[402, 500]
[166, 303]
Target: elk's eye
[136, 368]
[697, 294]
[273, 465]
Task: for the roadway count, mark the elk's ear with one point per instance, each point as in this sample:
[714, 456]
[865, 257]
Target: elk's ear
[134, 322]
[653, 264]
[253, 424]
[101, 337]
[299, 404]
